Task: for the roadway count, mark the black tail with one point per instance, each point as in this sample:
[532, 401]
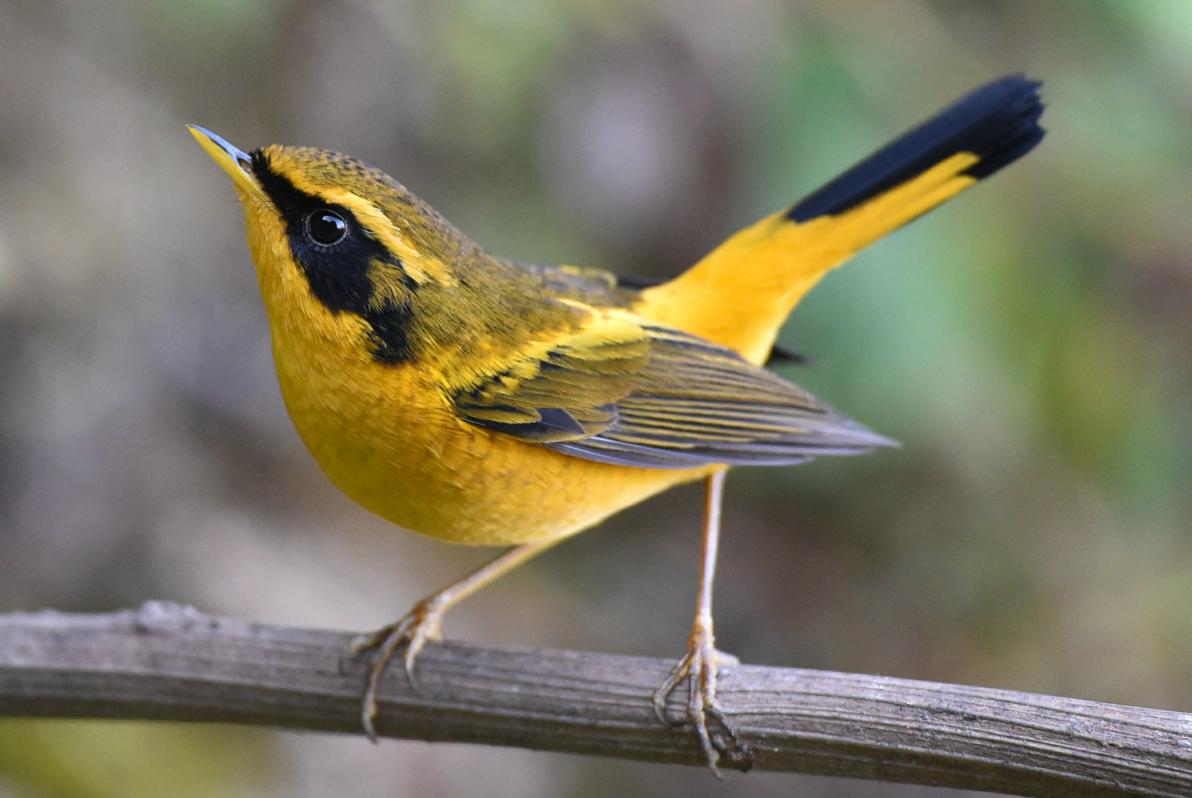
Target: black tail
[998, 123]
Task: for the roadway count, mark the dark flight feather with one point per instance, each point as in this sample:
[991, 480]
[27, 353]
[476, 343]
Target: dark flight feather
[662, 399]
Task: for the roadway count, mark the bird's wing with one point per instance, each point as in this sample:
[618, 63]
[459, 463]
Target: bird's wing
[619, 390]
[563, 387]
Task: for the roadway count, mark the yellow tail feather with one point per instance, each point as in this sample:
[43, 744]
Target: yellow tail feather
[739, 294]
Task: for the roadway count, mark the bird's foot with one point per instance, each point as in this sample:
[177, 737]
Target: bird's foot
[421, 624]
[699, 666]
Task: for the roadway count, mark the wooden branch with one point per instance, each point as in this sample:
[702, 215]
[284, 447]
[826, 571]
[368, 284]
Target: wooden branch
[170, 662]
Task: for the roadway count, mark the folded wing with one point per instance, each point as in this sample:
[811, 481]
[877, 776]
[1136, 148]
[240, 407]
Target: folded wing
[625, 392]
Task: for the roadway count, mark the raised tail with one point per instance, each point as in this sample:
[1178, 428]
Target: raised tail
[741, 292]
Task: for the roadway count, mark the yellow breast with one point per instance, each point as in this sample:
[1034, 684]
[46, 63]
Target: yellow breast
[387, 437]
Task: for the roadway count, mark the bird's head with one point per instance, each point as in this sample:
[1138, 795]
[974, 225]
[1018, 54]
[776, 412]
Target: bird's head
[329, 229]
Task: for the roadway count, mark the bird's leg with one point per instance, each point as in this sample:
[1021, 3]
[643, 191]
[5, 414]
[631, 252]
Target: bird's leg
[700, 664]
[425, 622]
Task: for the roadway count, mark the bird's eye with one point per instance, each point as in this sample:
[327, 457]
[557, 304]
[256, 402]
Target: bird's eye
[326, 227]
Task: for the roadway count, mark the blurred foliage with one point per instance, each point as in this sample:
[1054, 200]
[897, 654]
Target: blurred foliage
[124, 758]
[1027, 344]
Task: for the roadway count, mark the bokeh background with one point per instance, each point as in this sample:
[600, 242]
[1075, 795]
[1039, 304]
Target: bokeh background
[1028, 344]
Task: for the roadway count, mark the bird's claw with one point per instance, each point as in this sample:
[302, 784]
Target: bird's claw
[415, 629]
[699, 666]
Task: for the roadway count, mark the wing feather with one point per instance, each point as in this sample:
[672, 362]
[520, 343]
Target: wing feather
[630, 393]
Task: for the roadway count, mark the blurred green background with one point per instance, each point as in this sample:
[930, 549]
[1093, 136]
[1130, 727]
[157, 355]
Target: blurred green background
[1028, 344]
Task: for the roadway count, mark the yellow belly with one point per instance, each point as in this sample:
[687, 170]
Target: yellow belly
[388, 439]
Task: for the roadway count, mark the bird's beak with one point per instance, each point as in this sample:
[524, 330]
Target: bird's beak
[235, 162]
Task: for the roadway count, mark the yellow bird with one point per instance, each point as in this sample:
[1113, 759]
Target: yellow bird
[487, 401]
